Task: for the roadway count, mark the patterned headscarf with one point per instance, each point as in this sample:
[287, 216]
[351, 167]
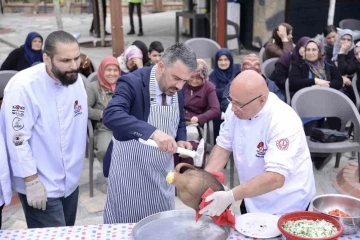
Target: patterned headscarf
[337, 46]
[130, 53]
[201, 71]
[318, 67]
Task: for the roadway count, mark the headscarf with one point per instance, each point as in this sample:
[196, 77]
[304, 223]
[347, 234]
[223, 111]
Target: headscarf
[252, 57]
[275, 35]
[32, 56]
[142, 46]
[201, 71]
[224, 76]
[130, 52]
[108, 60]
[337, 44]
[294, 54]
[317, 67]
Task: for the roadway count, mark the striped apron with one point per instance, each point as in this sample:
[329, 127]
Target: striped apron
[137, 186]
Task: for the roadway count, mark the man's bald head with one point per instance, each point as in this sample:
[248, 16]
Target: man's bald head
[251, 62]
[249, 93]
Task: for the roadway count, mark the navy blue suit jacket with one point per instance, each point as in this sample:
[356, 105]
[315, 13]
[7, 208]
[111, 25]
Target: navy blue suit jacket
[128, 111]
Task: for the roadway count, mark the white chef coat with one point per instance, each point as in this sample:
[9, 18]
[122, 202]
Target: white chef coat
[46, 126]
[5, 182]
[272, 141]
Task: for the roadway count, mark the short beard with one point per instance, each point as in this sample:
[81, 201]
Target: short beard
[64, 77]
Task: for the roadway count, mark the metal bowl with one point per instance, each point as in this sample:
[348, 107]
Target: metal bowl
[350, 205]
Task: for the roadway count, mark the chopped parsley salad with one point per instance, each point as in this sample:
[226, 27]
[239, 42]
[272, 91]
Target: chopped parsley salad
[310, 228]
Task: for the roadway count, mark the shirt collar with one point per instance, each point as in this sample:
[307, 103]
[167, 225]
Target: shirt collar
[266, 107]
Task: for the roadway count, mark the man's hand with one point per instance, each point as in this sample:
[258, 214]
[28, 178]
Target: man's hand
[165, 142]
[186, 145]
[220, 201]
[36, 194]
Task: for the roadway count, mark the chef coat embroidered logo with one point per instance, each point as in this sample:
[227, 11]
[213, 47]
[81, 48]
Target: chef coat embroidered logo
[282, 144]
[261, 150]
[18, 139]
[77, 108]
[17, 124]
[18, 110]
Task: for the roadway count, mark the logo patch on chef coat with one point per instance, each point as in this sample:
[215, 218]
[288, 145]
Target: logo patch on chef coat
[18, 110]
[282, 144]
[77, 108]
[18, 139]
[261, 150]
[17, 124]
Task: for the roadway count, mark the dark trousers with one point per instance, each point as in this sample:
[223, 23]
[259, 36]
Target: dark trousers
[243, 208]
[1, 208]
[131, 12]
[103, 2]
[59, 212]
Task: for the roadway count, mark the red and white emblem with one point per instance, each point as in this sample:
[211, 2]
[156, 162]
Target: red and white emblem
[282, 144]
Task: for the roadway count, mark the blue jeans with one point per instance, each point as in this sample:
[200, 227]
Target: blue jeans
[59, 211]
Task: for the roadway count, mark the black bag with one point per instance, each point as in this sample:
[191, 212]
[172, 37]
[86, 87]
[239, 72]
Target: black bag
[327, 135]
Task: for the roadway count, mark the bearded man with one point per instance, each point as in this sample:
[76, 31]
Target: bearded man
[45, 116]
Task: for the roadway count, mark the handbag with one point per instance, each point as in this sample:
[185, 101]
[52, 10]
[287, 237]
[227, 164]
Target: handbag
[327, 135]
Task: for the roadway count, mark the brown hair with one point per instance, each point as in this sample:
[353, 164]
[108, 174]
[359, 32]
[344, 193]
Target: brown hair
[86, 66]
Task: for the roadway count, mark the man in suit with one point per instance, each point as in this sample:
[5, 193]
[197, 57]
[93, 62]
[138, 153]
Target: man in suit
[147, 104]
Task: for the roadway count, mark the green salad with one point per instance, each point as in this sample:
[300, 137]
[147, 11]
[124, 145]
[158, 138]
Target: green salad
[310, 228]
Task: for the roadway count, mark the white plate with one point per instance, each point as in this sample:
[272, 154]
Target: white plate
[258, 225]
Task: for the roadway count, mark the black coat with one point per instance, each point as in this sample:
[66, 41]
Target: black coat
[16, 60]
[346, 63]
[299, 76]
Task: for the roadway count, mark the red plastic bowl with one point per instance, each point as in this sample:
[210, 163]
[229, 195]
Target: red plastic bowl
[294, 216]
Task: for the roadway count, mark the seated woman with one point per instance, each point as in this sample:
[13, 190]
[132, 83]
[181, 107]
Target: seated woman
[130, 60]
[344, 58]
[280, 41]
[201, 105]
[144, 49]
[26, 55]
[312, 70]
[282, 66]
[99, 94]
[328, 40]
[357, 62]
[224, 72]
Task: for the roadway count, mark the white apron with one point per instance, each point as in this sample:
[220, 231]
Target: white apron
[137, 186]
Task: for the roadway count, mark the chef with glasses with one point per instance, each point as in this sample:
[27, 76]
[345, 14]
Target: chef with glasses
[267, 140]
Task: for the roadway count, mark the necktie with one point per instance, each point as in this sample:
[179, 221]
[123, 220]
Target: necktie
[163, 100]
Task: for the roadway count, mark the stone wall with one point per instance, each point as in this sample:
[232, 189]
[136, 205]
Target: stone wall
[268, 14]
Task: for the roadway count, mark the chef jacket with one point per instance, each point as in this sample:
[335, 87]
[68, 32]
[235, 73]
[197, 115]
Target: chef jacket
[46, 126]
[271, 141]
[5, 182]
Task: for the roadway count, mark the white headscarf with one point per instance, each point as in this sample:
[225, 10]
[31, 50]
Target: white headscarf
[337, 44]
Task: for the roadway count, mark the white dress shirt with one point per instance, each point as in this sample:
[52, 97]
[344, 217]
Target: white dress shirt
[46, 126]
[272, 141]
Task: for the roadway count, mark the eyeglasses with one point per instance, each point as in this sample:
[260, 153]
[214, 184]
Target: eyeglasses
[237, 105]
[311, 50]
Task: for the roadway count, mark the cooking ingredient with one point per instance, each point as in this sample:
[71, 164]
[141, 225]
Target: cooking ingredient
[338, 213]
[192, 183]
[310, 228]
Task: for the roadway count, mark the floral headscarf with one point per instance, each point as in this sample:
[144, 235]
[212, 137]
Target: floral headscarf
[318, 67]
[130, 52]
[201, 71]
